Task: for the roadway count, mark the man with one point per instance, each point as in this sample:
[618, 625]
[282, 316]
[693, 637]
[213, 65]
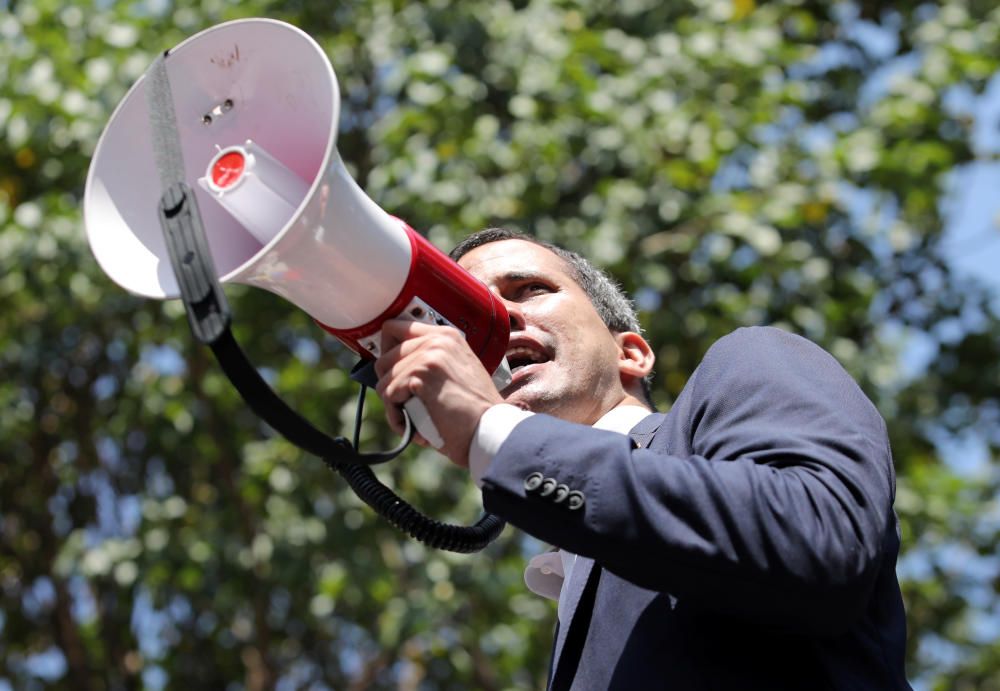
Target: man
[743, 540]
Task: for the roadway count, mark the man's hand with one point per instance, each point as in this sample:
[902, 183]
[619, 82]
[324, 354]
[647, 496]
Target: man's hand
[435, 364]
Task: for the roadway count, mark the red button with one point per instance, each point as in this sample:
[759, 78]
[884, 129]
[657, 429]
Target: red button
[228, 169]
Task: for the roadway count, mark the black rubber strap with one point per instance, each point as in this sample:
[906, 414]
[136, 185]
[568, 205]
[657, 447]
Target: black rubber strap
[205, 303]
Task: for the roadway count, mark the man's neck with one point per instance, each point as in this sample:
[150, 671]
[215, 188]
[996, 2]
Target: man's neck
[631, 400]
[627, 401]
[622, 417]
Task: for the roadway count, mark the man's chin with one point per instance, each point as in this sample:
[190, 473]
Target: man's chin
[531, 397]
[520, 394]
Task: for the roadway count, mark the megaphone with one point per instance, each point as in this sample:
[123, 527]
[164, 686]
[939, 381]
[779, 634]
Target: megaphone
[257, 106]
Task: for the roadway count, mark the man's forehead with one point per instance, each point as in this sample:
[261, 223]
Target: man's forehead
[512, 260]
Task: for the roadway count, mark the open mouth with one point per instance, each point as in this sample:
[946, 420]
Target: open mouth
[521, 357]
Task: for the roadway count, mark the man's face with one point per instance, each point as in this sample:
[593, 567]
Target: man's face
[564, 358]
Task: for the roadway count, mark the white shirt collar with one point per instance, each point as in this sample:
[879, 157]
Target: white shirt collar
[622, 419]
[546, 572]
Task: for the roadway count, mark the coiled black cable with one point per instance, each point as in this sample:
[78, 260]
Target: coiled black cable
[386, 503]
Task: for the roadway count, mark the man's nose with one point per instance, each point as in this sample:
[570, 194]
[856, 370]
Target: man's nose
[517, 321]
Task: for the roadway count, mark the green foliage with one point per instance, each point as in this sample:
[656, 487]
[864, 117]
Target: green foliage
[730, 162]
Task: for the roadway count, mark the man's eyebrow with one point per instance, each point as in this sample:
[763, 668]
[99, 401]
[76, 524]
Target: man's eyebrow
[518, 276]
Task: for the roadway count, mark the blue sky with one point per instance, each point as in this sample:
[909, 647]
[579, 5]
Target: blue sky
[973, 207]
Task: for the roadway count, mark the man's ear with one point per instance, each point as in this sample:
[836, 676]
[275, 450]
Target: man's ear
[635, 357]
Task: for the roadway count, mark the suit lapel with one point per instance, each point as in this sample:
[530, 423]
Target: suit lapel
[642, 434]
[572, 630]
[582, 589]
[575, 587]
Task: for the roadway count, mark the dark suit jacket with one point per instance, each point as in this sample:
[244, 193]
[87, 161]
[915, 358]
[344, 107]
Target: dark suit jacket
[751, 545]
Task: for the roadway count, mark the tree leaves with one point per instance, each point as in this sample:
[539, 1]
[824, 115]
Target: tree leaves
[732, 163]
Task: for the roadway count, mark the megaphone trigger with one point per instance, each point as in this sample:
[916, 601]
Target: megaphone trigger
[421, 419]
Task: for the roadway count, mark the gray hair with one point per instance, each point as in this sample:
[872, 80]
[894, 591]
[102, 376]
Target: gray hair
[612, 305]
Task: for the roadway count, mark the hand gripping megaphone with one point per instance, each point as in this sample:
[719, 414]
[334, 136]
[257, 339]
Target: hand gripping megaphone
[255, 108]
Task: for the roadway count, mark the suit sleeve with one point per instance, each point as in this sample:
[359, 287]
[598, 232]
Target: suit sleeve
[772, 499]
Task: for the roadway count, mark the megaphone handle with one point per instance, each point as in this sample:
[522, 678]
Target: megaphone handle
[421, 419]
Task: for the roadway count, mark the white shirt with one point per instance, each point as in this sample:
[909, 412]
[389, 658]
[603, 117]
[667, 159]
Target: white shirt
[546, 572]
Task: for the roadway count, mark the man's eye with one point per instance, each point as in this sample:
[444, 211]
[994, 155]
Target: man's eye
[533, 288]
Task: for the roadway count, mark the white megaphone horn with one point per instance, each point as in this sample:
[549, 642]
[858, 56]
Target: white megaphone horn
[257, 106]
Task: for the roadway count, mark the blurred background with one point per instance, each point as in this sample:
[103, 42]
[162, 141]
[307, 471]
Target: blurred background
[832, 168]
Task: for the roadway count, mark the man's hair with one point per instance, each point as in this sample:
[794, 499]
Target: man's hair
[615, 309]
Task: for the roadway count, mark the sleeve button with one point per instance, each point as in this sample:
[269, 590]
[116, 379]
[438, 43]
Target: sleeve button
[548, 487]
[560, 494]
[533, 482]
[574, 500]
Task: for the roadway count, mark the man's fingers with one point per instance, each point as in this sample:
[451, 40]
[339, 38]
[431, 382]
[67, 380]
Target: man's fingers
[405, 328]
[396, 417]
[435, 366]
[395, 331]
[401, 338]
[394, 414]
[432, 347]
